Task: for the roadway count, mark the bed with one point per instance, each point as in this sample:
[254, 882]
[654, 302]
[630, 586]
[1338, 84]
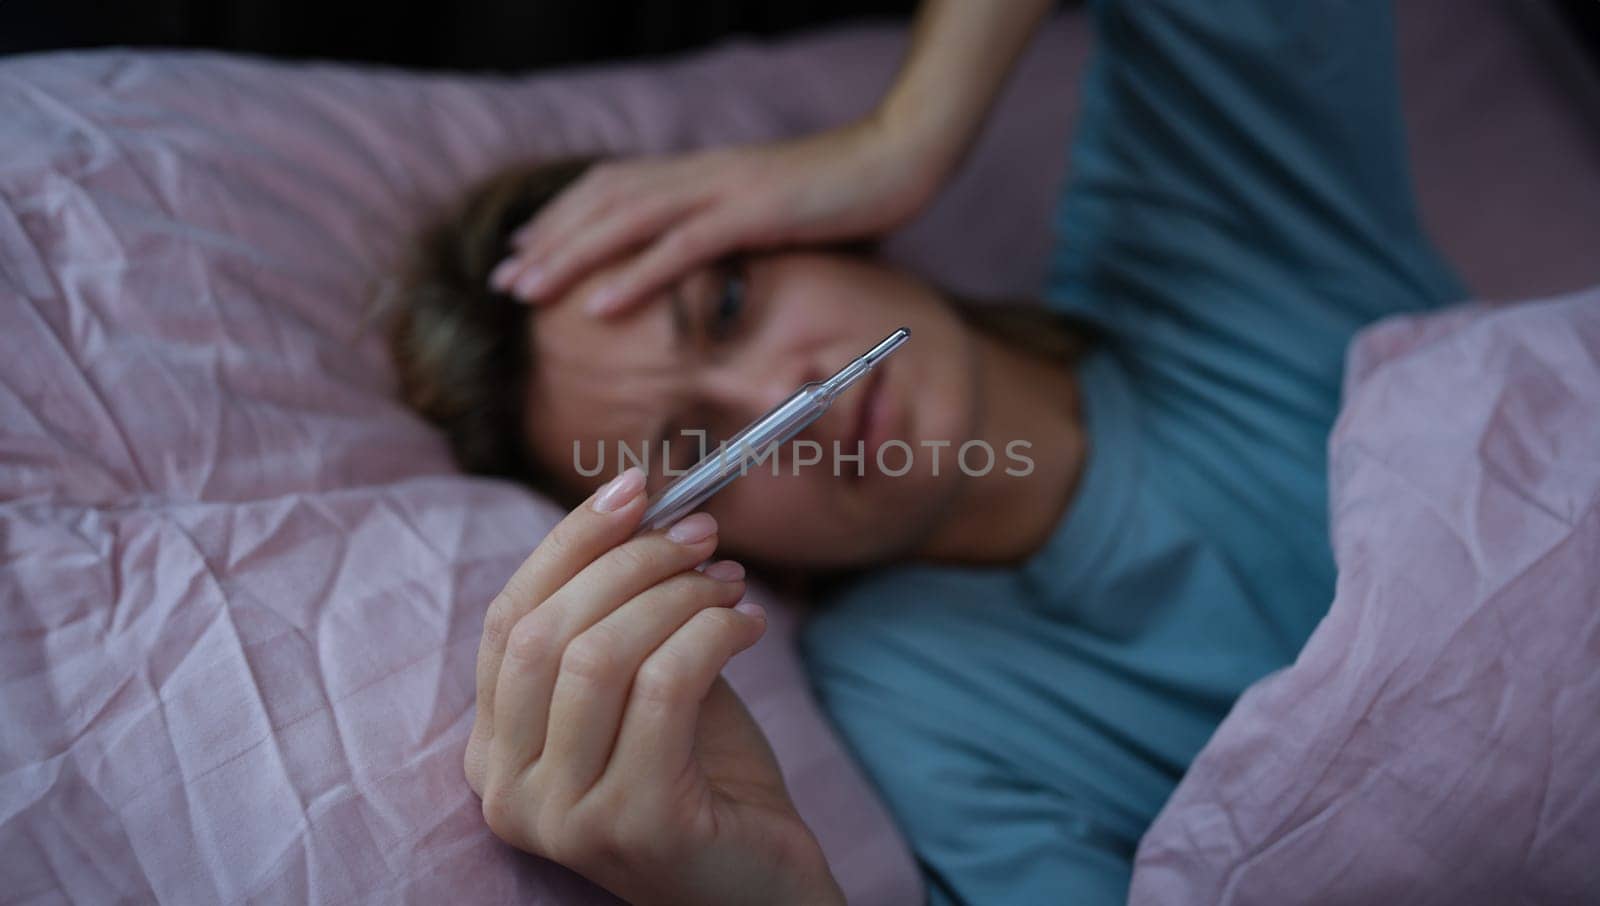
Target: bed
[242, 587]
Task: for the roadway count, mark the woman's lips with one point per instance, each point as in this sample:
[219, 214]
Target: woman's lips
[872, 420]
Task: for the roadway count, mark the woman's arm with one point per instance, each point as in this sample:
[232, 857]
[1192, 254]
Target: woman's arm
[857, 180]
[960, 57]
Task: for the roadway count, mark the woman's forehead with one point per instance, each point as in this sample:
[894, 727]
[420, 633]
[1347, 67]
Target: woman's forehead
[595, 379]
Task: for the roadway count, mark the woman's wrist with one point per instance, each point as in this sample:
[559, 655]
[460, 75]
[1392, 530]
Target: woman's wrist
[961, 54]
[912, 118]
[909, 151]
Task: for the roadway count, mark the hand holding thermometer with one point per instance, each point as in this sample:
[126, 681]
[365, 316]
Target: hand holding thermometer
[731, 458]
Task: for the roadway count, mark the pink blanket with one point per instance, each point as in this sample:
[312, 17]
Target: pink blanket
[1436, 741]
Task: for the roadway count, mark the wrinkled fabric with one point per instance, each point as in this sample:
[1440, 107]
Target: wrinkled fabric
[1435, 742]
[242, 586]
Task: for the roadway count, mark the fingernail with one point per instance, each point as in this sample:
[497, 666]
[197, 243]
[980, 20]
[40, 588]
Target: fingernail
[521, 236]
[618, 491]
[603, 300]
[530, 282]
[751, 608]
[725, 571]
[693, 528]
[500, 277]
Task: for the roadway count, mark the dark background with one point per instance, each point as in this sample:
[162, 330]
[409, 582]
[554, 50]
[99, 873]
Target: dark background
[497, 35]
[503, 35]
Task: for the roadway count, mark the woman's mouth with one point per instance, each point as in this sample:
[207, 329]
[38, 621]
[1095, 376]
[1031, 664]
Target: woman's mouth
[871, 418]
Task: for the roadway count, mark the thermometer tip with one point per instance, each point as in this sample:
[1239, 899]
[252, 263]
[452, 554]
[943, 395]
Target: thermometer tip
[889, 344]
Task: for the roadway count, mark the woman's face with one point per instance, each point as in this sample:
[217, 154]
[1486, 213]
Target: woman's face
[731, 341]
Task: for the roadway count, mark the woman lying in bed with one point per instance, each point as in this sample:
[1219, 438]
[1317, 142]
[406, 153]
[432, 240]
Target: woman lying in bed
[729, 342]
[1025, 657]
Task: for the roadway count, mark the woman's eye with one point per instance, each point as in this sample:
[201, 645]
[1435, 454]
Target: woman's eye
[728, 305]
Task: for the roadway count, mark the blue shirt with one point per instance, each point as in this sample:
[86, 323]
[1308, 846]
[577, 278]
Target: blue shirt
[1239, 207]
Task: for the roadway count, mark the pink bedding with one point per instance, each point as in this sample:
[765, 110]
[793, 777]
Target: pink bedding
[1436, 741]
[241, 588]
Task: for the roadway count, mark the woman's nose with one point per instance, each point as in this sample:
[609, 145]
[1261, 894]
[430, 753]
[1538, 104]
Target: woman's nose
[748, 394]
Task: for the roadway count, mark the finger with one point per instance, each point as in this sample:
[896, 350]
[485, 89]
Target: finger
[585, 197]
[656, 741]
[674, 254]
[570, 257]
[603, 191]
[518, 276]
[604, 188]
[602, 522]
[503, 278]
[537, 647]
[598, 667]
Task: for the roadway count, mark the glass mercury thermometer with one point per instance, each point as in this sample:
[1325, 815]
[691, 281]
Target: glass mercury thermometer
[755, 442]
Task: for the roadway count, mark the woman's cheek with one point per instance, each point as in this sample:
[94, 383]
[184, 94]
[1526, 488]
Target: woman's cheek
[785, 519]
